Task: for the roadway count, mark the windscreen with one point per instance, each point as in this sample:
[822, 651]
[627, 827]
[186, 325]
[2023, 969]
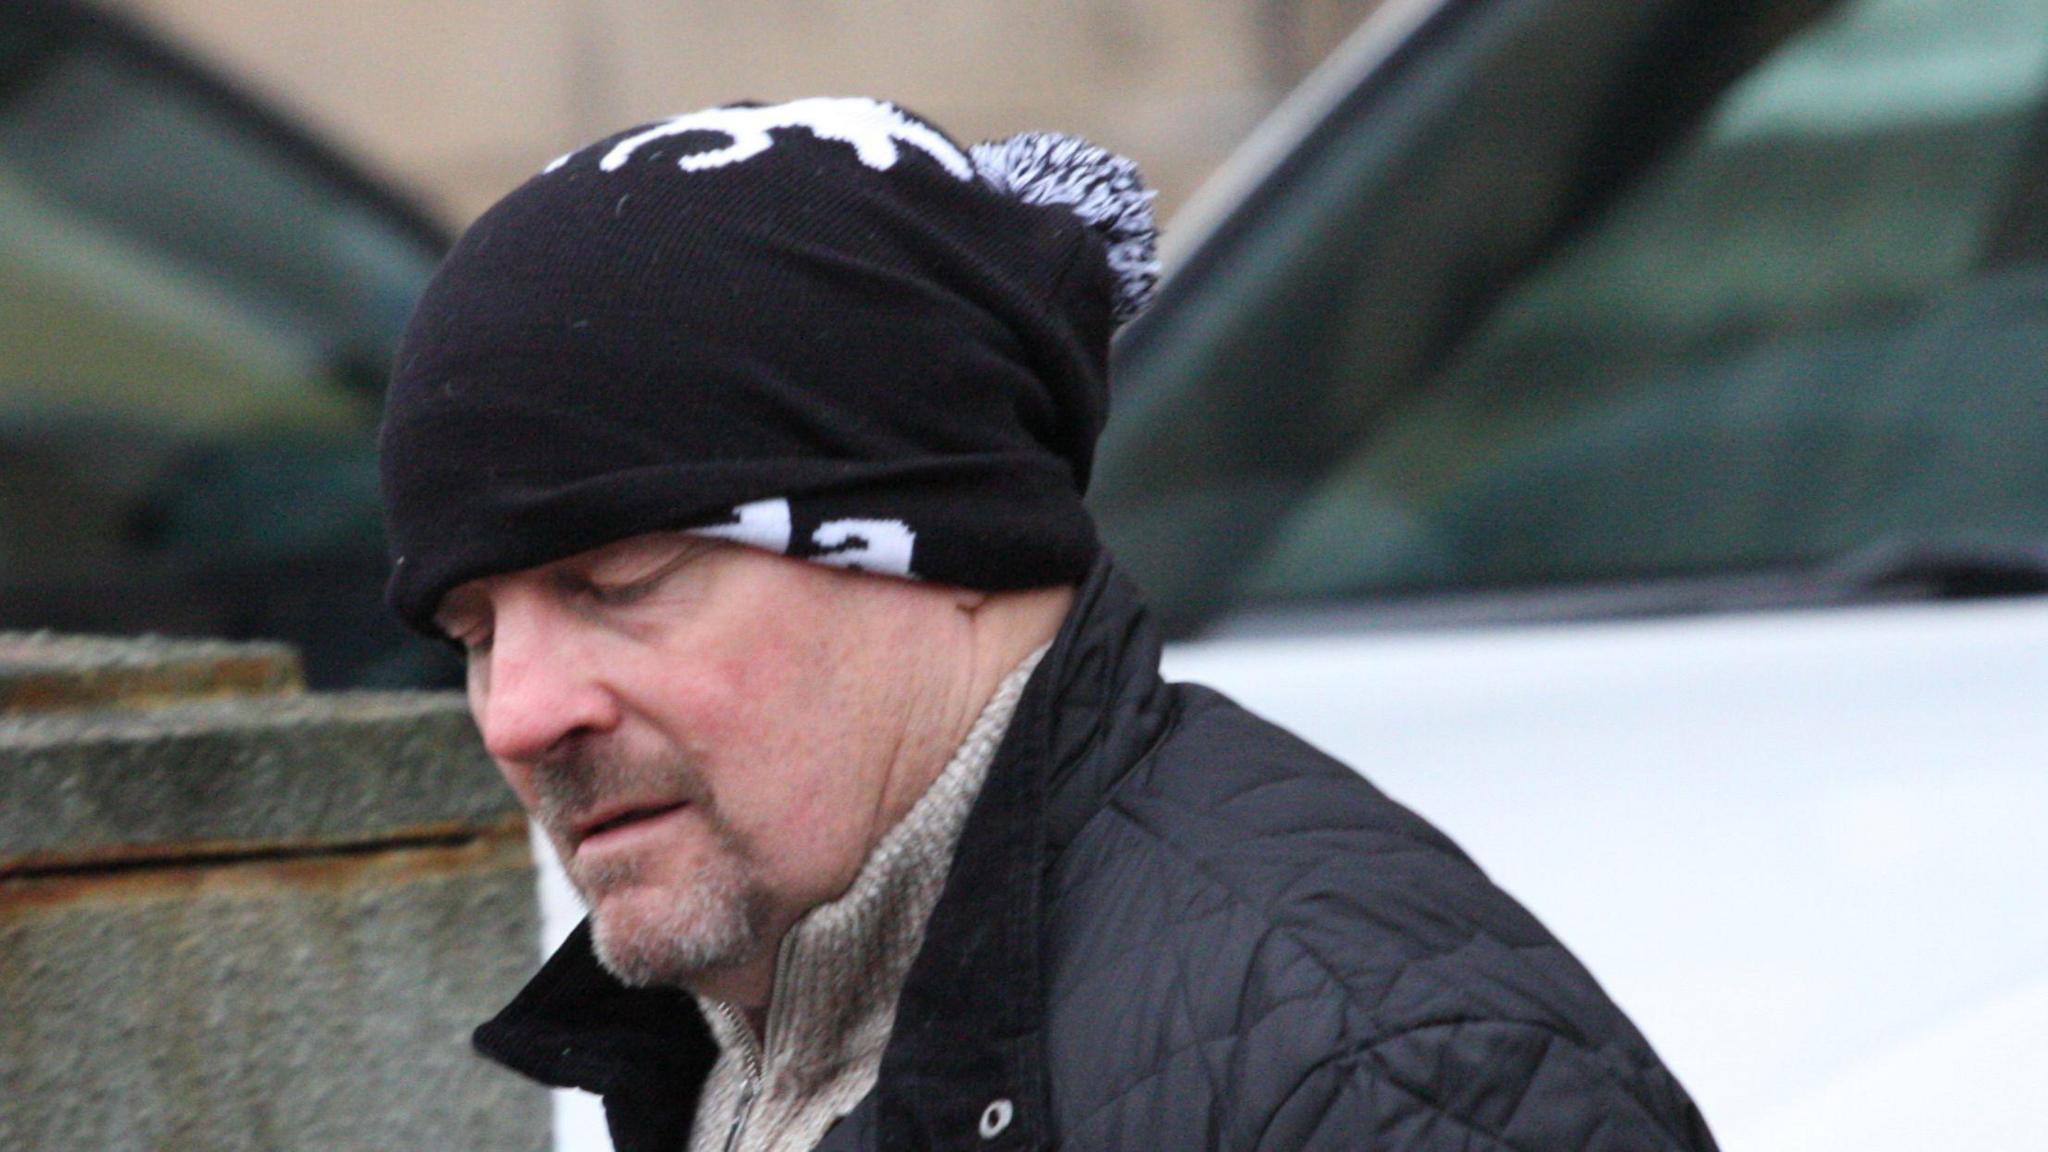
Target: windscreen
[1816, 328]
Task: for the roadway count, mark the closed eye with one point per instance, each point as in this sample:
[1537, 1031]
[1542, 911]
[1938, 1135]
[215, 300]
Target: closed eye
[615, 595]
[617, 585]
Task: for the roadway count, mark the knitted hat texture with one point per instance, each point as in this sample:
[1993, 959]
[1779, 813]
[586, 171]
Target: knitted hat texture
[820, 328]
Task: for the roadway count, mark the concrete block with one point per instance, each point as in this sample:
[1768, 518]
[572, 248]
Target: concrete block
[45, 672]
[236, 916]
[261, 775]
[311, 1003]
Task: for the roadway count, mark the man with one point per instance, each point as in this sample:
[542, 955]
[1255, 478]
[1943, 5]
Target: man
[743, 455]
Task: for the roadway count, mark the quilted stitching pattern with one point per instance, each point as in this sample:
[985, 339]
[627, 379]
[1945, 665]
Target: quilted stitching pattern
[1252, 948]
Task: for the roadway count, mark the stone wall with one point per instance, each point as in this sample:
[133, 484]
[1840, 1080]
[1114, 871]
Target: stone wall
[461, 99]
[237, 916]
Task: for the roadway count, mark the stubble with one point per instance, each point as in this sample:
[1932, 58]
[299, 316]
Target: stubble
[674, 935]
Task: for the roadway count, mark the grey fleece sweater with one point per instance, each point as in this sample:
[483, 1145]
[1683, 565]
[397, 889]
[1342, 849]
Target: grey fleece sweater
[841, 968]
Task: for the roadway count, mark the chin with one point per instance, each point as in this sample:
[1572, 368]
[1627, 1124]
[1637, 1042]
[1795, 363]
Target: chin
[649, 935]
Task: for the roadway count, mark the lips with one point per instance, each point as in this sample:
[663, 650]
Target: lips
[617, 818]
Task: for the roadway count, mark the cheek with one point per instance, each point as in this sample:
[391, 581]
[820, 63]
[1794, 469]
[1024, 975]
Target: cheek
[792, 762]
[812, 845]
[810, 720]
[784, 691]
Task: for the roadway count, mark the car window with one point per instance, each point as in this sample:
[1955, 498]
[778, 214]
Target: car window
[1817, 328]
[196, 317]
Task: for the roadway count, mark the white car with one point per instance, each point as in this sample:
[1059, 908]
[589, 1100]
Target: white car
[1621, 432]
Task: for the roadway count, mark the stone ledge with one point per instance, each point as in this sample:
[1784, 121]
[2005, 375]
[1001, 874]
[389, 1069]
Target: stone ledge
[46, 672]
[322, 1003]
[236, 917]
[261, 774]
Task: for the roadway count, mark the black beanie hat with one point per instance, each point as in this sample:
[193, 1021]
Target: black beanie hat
[820, 328]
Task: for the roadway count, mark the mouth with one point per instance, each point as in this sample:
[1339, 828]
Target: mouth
[608, 822]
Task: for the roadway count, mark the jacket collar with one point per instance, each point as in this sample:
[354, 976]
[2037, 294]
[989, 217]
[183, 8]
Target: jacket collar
[970, 1023]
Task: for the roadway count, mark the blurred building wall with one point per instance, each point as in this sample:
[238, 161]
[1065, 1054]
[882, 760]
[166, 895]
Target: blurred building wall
[461, 99]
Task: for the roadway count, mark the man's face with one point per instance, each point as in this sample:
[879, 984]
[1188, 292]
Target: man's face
[712, 737]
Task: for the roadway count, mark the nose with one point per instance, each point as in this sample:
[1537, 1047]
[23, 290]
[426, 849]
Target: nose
[538, 684]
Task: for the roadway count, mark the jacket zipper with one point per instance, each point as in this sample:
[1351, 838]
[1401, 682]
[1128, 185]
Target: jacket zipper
[750, 1066]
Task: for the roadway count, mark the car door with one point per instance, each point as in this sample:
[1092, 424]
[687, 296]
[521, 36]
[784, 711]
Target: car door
[1621, 432]
[198, 306]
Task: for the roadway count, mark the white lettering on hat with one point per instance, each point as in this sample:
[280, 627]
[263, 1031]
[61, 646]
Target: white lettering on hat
[873, 129]
[762, 524]
[881, 546]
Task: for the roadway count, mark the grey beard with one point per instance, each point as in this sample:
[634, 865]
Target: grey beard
[716, 923]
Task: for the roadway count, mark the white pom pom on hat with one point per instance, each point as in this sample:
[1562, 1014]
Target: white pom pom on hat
[1097, 185]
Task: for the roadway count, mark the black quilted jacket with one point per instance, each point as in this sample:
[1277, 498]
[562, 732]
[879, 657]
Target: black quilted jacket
[1171, 925]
